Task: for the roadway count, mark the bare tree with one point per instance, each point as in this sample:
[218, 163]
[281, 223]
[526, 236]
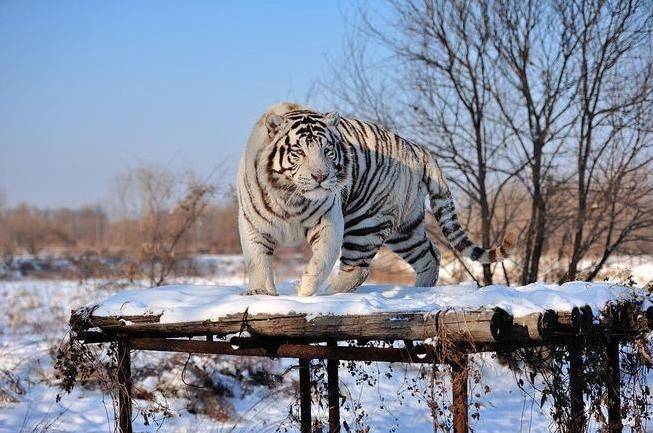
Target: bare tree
[620, 197]
[534, 93]
[165, 206]
[550, 93]
[29, 229]
[613, 71]
[442, 95]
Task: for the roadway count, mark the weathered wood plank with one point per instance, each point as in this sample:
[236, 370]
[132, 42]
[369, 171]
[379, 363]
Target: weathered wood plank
[83, 318]
[482, 325]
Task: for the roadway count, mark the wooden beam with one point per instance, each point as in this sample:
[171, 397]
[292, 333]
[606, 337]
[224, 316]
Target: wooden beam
[82, 319]
[305, 395]
[459, 376]
[123, 362]
[420, 354]
[613, 384]
[535, 326]
[333, 392]
[577, 418]
[257, 346]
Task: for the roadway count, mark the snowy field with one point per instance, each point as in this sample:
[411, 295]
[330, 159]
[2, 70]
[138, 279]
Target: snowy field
[243, 395]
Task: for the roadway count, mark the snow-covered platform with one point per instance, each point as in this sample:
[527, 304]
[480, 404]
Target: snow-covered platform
[463, 312]
[441, 324]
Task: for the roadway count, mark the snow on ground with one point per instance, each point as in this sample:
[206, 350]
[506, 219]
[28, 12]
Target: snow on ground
[639, 267]
[35, 313]
[184, 303]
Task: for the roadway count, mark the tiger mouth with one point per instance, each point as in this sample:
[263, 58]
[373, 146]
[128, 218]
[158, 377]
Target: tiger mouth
[318, 188]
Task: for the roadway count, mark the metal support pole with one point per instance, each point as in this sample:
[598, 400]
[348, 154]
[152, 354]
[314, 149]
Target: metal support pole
[334, 392]
[613, 384]
[577, 419]
[459, 374]
[305, 395]
[123, 362]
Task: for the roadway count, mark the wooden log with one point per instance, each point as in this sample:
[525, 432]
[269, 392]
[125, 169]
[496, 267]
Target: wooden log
[83, 319]
[481, 326]
[613, 384]
[474, 326]
[567, 322]
[305, 395]
[459, 407]
[577, 419]
[578, 321]
[333, 392]
[534, 326]
[123, 363]
[301, 351]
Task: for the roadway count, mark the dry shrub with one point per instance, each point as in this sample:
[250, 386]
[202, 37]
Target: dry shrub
[163, 207]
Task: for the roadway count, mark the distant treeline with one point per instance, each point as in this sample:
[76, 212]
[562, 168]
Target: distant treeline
[32, 230]
[154, 214]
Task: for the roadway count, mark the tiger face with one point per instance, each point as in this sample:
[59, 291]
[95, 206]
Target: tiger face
[307, 157]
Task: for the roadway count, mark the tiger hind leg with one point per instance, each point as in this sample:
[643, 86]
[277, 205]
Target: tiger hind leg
[362, 241]
[418, 250]
[348, 278]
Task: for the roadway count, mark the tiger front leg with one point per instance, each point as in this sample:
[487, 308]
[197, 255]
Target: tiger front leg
[261, 274]
[325, 240]
[257, 251]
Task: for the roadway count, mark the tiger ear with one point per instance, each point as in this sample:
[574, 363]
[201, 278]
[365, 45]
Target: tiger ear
[332, 119]
[273, 123]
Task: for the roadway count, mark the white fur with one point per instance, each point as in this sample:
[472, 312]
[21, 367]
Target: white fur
[397, 219]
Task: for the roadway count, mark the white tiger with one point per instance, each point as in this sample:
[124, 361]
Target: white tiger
[347, 187]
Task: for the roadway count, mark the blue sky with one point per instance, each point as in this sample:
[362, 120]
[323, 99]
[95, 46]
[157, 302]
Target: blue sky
[91, 88]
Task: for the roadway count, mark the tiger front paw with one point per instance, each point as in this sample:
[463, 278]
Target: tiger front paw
[307, 287]
[259, 292]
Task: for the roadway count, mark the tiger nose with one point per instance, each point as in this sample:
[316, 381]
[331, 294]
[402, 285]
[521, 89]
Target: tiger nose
[319, 176]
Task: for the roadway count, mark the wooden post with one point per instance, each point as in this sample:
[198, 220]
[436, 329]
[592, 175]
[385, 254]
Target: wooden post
[459, 374]
[334, 392]
[123, 362]
[576, 385]
[305, 395]
[613, 384]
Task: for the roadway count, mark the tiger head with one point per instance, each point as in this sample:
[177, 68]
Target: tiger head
[307, 156]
